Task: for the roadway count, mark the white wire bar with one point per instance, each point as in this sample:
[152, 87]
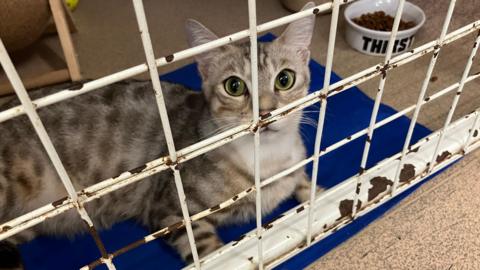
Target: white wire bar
[104, 187]
[39, 128]
[322, 113]
[456, 98]
[154, 76]
[252, 23]
[378, 99]
[421, 96]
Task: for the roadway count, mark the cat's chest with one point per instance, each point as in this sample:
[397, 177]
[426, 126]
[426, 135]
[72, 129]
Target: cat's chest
[275, 155]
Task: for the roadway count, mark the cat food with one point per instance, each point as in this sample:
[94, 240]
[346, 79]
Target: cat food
[380, 21]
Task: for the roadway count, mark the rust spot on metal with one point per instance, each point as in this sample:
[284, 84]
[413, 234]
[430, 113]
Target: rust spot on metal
[436, 47]
[175, 226]
[267, 226]
[349, 137]
[475, 133]
[435, 54]
[379, 185]
[169, 58]
[433, 78]
[235, 198]
[315, 11]
[86, 193]
[357, 190]
[369, 140]
[410, 150]
[6, 228]
[59, 202]
[443, 156]
[249, 190]
[168, 162]
[300, 209]
[98, 241]
[407, 173]
[264, 116]
[250, 259]
[336, 89]
[427, 99]
[75, 86]
[346, 207]
[138, 169]
[215, 208]
[361, 171]
[241, 237]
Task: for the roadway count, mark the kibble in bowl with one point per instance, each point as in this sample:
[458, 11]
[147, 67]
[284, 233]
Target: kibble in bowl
[369, 25]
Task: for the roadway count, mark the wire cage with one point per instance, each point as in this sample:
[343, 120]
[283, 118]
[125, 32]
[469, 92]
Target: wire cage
[306, 224]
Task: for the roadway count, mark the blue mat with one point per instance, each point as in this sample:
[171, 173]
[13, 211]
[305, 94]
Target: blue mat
[347, 113]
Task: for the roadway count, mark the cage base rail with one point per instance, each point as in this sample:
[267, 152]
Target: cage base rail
[285, 236]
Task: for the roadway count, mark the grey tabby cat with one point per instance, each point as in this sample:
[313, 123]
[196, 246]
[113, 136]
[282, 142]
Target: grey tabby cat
[101, 134]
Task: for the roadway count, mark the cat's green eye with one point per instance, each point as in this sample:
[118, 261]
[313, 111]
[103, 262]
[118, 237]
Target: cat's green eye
[235, 86]
[285, 80]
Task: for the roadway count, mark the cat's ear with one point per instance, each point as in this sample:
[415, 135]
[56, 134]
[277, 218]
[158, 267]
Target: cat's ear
[198, 34]
[299, 33]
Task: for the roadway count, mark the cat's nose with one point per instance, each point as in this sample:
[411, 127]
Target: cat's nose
[267, 103]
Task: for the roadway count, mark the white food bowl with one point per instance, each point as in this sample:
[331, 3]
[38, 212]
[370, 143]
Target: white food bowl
[375, 42]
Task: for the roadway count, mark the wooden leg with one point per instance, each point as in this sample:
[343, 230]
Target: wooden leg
[65, 39]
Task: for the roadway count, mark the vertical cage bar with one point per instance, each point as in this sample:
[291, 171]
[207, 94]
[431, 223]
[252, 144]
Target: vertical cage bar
[376, 106]
[252, 22]
[321, 117]
[32, 114]
[147, 45]
[421, 96]
[39, 128]
[466, 71]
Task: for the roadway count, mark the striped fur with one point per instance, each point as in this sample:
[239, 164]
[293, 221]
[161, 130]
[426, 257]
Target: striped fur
[117, 128]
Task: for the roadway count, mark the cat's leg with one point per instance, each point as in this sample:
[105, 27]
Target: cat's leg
[10, 258]
[206, 239]
[302, 190]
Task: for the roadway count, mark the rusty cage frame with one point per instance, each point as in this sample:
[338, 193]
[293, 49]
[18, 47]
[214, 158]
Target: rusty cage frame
[297, 229]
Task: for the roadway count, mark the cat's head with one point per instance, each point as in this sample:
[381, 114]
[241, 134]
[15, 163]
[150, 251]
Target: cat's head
[283, 74]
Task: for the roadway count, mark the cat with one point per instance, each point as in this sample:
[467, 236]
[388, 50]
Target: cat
[104, 133]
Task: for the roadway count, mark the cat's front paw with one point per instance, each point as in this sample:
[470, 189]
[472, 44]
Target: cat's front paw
[302, 191]
[206, 240]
